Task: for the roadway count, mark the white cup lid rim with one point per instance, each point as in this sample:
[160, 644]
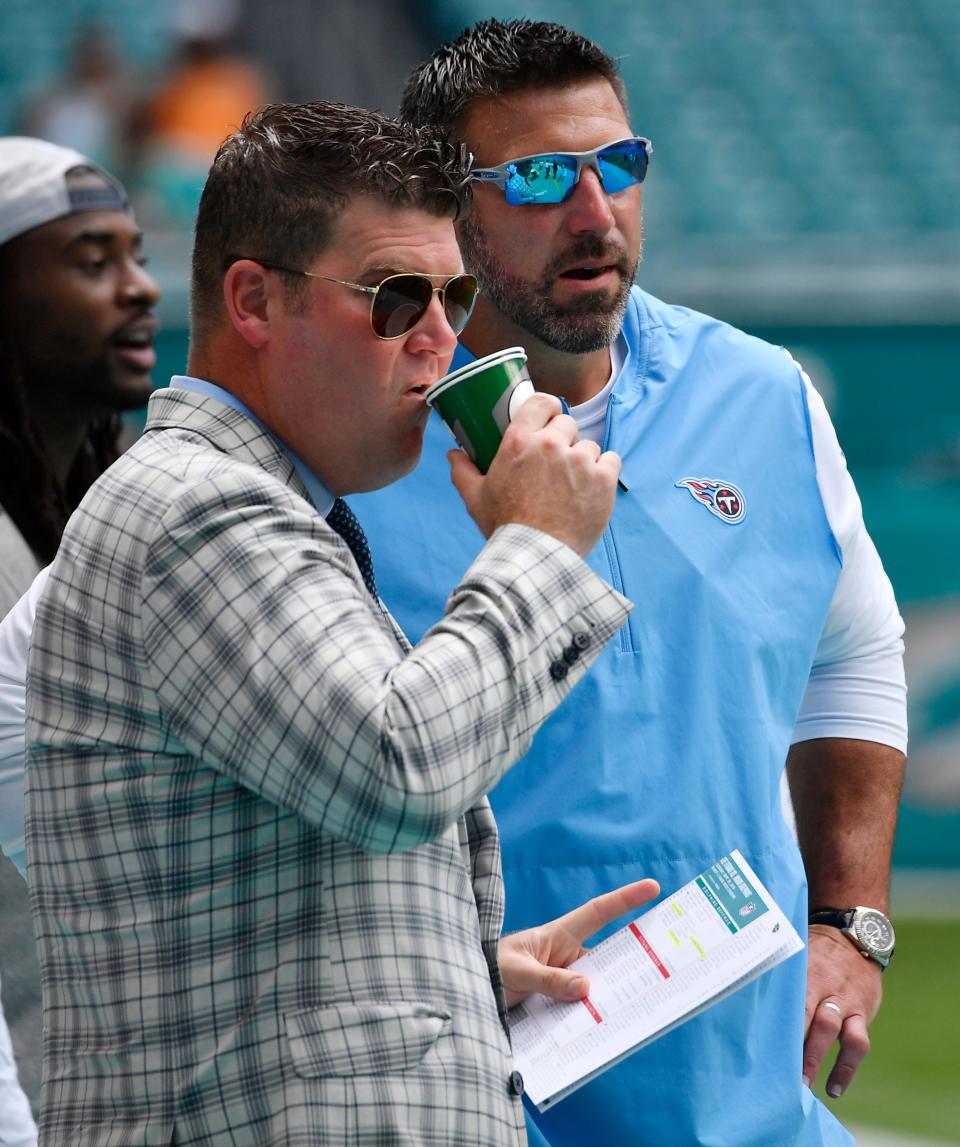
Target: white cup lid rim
[448, 380]
[487, 360]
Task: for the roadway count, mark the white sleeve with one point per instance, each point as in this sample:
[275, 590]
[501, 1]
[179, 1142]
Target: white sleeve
[15, 630]
[856, 687]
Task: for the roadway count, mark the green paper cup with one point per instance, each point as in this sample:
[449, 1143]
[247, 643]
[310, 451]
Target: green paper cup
[478, 401]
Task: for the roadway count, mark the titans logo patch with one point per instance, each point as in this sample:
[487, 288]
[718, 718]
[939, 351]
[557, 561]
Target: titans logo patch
[720, 498]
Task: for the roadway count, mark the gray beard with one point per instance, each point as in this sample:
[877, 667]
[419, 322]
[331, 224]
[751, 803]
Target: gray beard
[590, 323]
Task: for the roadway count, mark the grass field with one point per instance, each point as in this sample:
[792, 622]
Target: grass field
[910, 1082]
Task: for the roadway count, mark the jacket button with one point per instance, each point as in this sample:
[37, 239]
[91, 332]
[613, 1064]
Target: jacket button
[571, 654]
[582, 641]
[558, 670]
[516, 1083]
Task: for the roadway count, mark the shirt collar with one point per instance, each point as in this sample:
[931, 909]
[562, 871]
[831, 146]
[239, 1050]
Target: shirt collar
[319, 494]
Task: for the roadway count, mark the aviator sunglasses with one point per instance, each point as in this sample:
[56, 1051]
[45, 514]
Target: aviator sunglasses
[551, 178]
[400, 301]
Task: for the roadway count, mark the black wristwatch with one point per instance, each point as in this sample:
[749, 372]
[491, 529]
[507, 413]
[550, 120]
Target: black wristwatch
[868, 929]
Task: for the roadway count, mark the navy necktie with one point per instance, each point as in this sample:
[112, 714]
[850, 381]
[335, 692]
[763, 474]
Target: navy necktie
[344, 521]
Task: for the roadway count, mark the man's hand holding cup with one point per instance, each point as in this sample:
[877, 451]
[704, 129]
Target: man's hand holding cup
[542, 476]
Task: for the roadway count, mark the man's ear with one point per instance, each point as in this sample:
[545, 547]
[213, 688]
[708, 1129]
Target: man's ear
[251, 295]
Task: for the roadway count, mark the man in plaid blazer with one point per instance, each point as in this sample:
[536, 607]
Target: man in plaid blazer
[265, 876]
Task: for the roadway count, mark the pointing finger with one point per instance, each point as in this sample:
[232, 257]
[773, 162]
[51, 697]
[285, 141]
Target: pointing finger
[582, 922]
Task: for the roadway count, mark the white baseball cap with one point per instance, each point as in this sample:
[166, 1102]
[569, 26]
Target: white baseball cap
[34, 189]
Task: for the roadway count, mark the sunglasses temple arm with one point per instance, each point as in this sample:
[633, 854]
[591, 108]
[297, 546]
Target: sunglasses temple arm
[488, 175]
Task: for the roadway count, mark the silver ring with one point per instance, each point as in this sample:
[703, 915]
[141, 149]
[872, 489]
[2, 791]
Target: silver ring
[833, 1007]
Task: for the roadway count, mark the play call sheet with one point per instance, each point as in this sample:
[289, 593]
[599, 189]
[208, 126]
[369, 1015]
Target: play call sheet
[714, 935]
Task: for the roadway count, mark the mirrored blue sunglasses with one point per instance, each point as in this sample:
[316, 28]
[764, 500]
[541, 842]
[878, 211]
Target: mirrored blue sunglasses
[551, 178]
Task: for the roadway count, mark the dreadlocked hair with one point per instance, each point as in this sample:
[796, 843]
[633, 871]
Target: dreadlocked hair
[37, 503]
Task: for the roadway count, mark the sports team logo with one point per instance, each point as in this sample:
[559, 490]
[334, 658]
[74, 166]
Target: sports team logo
[720, 498]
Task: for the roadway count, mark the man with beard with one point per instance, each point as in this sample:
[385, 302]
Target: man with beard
[76, 332]
[765, 625]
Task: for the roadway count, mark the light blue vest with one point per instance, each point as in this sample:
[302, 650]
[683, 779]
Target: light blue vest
[669, 753]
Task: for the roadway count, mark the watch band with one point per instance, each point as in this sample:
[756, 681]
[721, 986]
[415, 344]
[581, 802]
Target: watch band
[860, 925]
[835, 917]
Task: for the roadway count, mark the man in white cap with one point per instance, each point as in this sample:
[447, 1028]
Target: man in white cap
[76, 334]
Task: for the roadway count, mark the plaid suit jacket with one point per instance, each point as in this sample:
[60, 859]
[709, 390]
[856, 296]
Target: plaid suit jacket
[265, 877]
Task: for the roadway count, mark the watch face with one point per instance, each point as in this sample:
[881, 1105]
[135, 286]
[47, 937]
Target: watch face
[874, 931]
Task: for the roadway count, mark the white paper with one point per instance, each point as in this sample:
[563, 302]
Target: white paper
[714, 935]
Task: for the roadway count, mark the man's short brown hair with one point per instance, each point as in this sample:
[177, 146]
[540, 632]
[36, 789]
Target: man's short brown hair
[279, 183]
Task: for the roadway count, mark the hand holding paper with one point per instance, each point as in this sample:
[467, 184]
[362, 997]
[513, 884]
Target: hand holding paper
[706, 940]
[537, 959]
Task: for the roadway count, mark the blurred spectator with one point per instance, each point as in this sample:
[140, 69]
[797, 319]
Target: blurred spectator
[205, 95]
[88, 108]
